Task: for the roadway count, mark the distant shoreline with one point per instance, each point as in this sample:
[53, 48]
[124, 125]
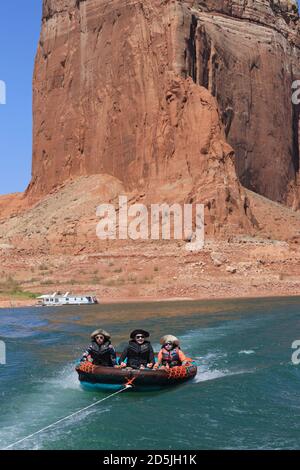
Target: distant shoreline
[11, 304]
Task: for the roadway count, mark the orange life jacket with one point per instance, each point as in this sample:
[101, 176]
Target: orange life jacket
[170, 358]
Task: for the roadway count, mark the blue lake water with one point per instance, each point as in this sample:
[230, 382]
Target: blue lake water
[246, 394]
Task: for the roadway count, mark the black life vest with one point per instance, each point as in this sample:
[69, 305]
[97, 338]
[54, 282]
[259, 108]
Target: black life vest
[138, 355]
[102, 355]
[171, 358]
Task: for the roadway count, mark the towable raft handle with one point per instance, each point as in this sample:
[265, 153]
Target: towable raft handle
[129, 381]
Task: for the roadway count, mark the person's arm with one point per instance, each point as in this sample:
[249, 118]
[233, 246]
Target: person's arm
[123, 357]
[151, 358]
[87, 355]
[183, 358]
[159, 360]
[113, 356]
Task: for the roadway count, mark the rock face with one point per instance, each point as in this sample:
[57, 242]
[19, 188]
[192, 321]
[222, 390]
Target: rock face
[247, 54]
[147, 91]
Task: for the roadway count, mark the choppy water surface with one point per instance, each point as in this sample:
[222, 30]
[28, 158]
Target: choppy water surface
[246, 394]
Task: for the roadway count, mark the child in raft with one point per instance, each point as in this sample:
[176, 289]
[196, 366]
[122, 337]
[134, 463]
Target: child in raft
[170, 354]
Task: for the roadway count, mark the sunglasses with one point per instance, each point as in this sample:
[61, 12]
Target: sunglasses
[139, 337]
[100, 337]
[169, 344]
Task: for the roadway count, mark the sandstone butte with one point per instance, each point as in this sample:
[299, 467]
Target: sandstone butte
[162, 100]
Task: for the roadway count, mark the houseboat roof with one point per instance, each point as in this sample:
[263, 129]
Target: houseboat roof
[59, 294]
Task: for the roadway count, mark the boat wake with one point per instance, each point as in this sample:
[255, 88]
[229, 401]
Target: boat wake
[67, 378]
[208, 367]
[204, 375]
[52, 399]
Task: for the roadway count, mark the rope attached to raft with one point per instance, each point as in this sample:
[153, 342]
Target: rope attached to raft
[126, 387]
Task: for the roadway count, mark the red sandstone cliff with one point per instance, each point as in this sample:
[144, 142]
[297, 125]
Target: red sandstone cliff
[112, 95]
[247, 54]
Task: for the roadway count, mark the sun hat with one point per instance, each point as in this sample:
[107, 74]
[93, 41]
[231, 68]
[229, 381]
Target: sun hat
[100, 332]
[169, 338]
[139, 332]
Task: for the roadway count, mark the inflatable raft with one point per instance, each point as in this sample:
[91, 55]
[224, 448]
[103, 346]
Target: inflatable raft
[92, 376]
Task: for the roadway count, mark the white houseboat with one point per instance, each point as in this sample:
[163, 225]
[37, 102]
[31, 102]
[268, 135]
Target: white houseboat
[57, 299]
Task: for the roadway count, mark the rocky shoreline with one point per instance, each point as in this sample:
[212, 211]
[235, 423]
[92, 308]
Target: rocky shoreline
[161, 271]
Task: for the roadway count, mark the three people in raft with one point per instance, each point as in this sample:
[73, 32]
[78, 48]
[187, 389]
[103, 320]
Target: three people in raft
[138, 354]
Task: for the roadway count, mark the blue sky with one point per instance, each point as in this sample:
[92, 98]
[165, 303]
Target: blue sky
[19, 32]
